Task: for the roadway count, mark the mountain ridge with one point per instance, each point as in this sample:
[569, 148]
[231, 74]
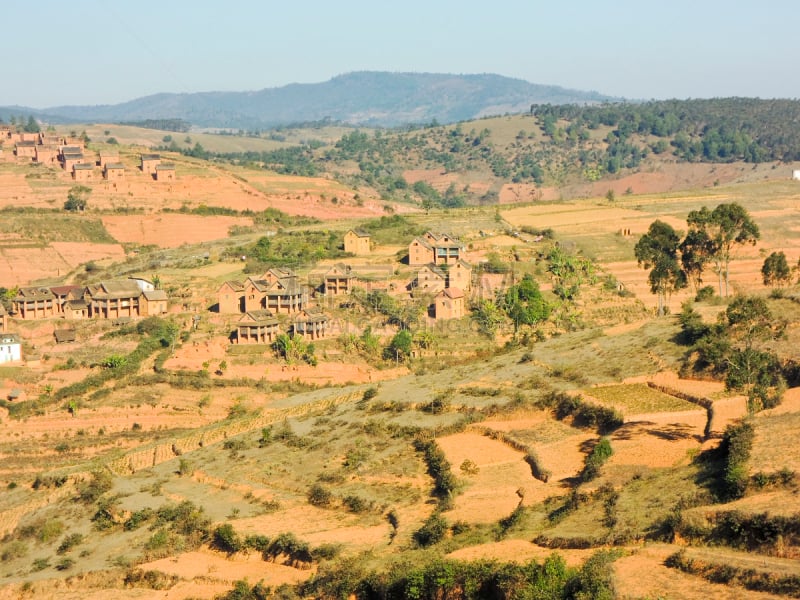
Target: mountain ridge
[376, 98]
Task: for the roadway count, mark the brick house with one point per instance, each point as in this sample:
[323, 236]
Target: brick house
[149, 163]
[108, 157]
[46, 155]
[153, 302]
[69, 160]
[51, 139]
[113, 299]
[277, 294]
[3, 319]
[65, 293]
[34, 303]
[449, 304]
[257, 327]
[230, 297]
[420, 252]
[311, 323]
[358, 242]
[114, 171]
[75, 310]
[25, 150]
[430, 279]
[165, 172]
[83, 172]
[459, 275]
[338, 280]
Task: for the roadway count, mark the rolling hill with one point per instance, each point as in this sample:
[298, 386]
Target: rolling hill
[368, 98]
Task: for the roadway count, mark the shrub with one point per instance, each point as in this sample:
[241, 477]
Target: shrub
[226, 539]
[432, 531]
[596, 458]
[357, 504]
[704, 293]
[319, 495]
[69, 543]
[100, 482]
[15, 549]
[737, 441]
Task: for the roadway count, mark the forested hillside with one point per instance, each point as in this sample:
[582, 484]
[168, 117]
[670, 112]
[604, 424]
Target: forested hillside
[551, 145]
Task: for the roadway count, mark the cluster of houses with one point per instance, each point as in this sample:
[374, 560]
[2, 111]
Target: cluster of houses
[442, 273]
[116, 299]
[70, 155]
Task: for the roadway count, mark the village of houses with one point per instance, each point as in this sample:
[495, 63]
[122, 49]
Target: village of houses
[278, 301]
[263, 307]
[72, 156]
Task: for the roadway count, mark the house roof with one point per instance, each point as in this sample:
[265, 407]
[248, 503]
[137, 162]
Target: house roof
[76, 305]
[155, 295]
[71, 150]
[312, 318]
[433, 269]
[340, 269]
[72, 155]
[9, 338]
[278, 272]
[63, 290]
[26, 144]
[112, 166]
[258, 317]
[64, 335]
[34, 293]
[150, 157]
[422, 242]
[453, 293]
[83, 167]
[360, 232]
[236, 286]
[124, 288]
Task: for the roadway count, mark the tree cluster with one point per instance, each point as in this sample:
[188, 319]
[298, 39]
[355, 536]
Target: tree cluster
[710, 240]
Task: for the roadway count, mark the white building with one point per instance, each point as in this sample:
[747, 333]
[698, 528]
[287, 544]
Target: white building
[796, 174]
[10, 348]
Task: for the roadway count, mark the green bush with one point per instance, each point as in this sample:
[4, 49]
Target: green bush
[69, 542]
[597, 457]
[737, 442]
[432, 531]
[319, 495]
[225, 539]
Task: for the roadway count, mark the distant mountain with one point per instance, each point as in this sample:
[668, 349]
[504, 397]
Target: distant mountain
[364, 98]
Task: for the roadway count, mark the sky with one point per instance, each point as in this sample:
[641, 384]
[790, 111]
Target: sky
[91, 52]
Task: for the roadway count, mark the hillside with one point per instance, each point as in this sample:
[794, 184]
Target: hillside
[558, 436]
[366, 98]
[552, 152]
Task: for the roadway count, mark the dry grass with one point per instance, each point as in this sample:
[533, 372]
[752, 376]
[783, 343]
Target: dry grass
[638, 398]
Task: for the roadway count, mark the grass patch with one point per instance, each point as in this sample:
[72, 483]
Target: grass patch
[636, 398]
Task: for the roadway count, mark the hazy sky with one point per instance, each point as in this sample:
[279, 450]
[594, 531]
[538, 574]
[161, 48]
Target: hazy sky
[100, 52]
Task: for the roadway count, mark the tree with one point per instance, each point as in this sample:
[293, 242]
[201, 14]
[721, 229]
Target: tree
[727, 225]
[754, 370]
[775, 270]
[77, 198]
[695, 249]
[488, 317]
[569, 272]
[32, 126]
[400, 346]
[657, 250]
[524, 303]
